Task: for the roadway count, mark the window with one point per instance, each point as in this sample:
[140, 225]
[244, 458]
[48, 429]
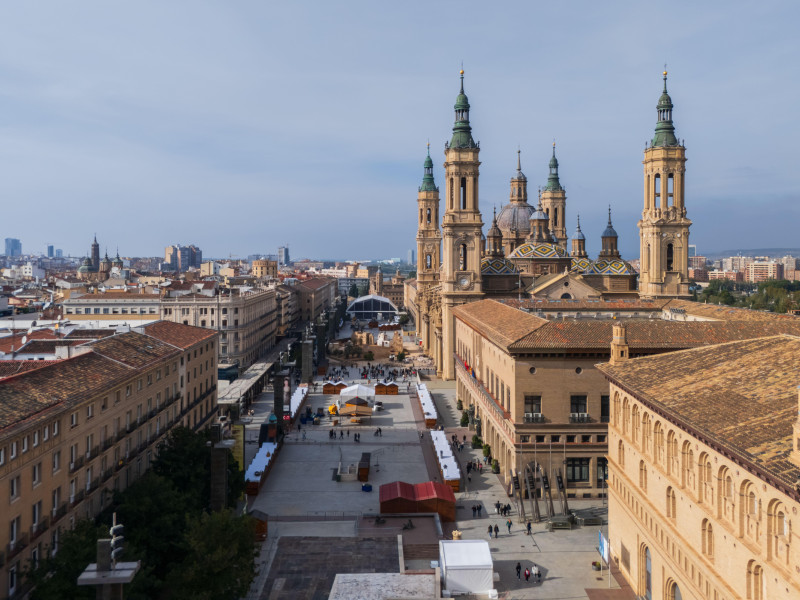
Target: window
[642, 475]
[37, 474]
[128, 390]
[621, 454]
[73, 419]
[533, 404]
[37, 512]
[12, 578]
[2, 456]
[55, 428]
[25, 444]
[46, 433]
[570, 439]
[13, 487]
[602, 472]
[13, 449]
[56, 460]
[540, 439]
[555, 439]
[586, 439]
[90, 411]
[671, 503]
[35, 439]
[605, 413]
[577, 469]
[577, 404]
[149, 379]
[707, 538]
[139, 385]
[670, 257]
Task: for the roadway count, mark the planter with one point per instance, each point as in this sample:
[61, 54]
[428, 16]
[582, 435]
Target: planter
[596, 566]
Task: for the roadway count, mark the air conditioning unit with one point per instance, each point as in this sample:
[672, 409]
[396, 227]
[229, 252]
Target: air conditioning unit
[529, 415]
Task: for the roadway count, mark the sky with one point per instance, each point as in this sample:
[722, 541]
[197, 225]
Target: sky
[243, 126]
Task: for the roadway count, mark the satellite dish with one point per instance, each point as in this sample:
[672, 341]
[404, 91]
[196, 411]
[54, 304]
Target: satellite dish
[24, 339]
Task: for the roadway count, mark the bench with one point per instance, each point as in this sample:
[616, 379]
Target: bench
[559, 524]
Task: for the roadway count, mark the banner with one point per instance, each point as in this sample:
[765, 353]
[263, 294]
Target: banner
[602, 546]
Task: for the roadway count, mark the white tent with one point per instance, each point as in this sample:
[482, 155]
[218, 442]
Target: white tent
[357, 391]
[466, 566]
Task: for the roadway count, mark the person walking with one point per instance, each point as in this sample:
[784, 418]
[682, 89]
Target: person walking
[527, 574]
[496, 531]
[535, 572]
[497, 507]
[529, 528]
[474, 510]
[479, 510]
[508, 524]
[519, 570]
[489, 531]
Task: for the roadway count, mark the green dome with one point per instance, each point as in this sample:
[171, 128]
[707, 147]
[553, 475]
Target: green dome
[428, 185]
[553, 183]
[665, 130]
[462, 132]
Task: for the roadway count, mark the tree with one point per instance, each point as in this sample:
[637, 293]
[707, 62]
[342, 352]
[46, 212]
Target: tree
[56, 577]
[353, 291]
[369, 356]
[220, 562]
[464, 419]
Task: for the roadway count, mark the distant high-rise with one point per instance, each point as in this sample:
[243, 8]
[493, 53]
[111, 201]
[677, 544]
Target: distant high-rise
[181, 258]
[410, 257]
[13, 247]
[59, 253]
[50, 250]
[283, 255]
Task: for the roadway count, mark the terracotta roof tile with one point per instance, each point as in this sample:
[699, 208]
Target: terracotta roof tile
[498, 322]
[9, 368]
[133, 349]
[728, 313]
[16, 340]
[741, 395]
[177, 334]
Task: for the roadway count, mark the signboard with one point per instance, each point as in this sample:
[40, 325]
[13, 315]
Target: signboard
[602, 546]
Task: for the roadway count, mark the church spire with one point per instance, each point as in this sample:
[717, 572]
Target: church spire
[462, 132]
[553, 184]
[665, 130]
[428, 185]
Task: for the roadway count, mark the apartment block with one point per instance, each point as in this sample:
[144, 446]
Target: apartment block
[763, 271]
[73, 431]
[246, 320]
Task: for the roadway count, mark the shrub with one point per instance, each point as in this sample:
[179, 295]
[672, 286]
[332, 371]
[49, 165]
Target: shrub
[487, 450]
[464, 419]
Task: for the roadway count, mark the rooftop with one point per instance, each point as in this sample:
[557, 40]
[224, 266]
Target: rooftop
[740, 396]
[176, 334]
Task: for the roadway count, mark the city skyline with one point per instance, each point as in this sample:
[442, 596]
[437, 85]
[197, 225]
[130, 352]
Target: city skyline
[331, 109]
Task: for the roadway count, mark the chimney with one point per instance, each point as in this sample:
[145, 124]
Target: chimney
[795, 455]
[619, 345]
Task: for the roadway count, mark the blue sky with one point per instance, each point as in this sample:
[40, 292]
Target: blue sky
[241, 126]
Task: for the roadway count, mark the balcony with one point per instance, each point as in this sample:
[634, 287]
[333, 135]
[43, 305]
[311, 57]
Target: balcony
[39, 528]
[76, 498]
[107, 475]
[59, 512]
[119, 465]
[17, 545]
[107, 443]
[121, 434]
[579, 418]
[74, 466]
[92, 485]
[482, 391]
[533, 418]
[93, 453]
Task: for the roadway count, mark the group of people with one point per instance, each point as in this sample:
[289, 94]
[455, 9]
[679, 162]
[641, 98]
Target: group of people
[502, 509]
[533, 571]
[332, 435]
[457, 446]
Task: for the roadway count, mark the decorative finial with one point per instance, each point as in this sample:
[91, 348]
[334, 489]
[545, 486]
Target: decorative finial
[519, 164]
[579, 222]
[609, 214]
[429, 147]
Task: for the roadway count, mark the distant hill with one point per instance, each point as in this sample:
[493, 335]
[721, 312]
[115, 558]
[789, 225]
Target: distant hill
[771, 252]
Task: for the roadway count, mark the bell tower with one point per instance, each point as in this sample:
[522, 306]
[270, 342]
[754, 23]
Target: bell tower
[461, 225]
[554, 202]
[664, 228]
[429, 238]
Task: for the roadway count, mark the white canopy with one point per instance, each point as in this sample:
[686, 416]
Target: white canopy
[357, 391]
[467, 566]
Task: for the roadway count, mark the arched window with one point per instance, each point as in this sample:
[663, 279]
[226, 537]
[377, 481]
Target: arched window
[707, 536]
[642, 475]
[646, 573]
[756, 583]
[428, 215]
[462, 257]
[428, 261]
[670, 257]
[621, 454]
[673, 591]
[671, 503]
[778, 531]
[725, 494]
[705, 490]
[452, 193]
[657, 190]
[750, 511]
[616, 410]
[658, 443]
[420, 215]
[635, 424]
[687, 468]
[672, 454]
[626, 415]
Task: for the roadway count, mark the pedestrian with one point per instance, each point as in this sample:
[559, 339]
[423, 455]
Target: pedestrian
[508, 524]
[489, 531]
[348, 433]
[497, 507]
[341, 435]
[535, 572]
[479, 510]
[527, 573]
[496, 530]
[474, 510]
[529, 528]
[519, 569]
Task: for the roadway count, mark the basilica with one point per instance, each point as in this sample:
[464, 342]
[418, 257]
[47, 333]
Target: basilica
[526, 252]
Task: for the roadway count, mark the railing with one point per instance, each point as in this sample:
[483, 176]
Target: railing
[77, 497]
[579, 418]
[533, 418]
[107, 443]
[107, 474]
[39, 528]
[94, 452]
[17, 546]
[74, 466]
[478, 387]
[605, 419]
[121, 434]
[119, 465]
[93, 485]
[59, 512]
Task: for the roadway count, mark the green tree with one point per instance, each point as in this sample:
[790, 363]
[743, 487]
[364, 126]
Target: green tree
[464, 419]
[369, 356]
[55, 577]
[353, 291]
[220, 562]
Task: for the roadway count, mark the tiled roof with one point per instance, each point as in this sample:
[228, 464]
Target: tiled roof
[588, 305]
[177, 334]
[648, 334]
[87, 333]
[498, 322]
[48, 346]
[727, 313]
[133, 349]
[27, 396]
[15, 340]
[15, 367]
[742, 396]
[315, 283]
